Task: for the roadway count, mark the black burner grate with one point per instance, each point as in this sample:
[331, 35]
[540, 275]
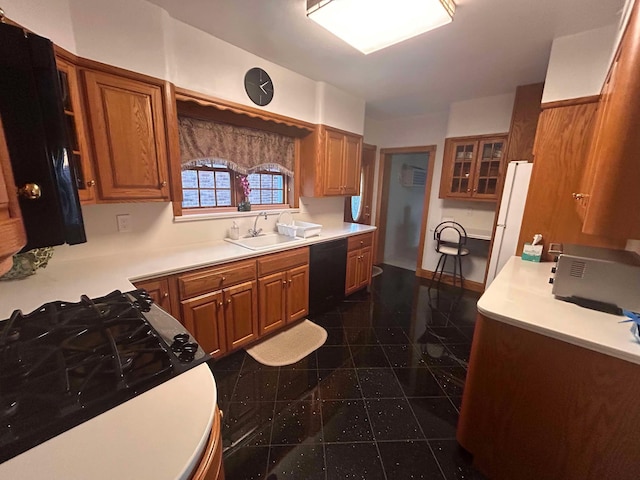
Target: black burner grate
[67, 362]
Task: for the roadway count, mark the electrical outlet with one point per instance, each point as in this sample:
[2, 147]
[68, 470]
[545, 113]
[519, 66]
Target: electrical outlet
[124, 223]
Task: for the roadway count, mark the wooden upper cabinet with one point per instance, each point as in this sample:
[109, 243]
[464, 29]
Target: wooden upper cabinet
[333, 165]
[352, 162]
[524, 123]
[12, 230]
[75, 118]
[128, 132]
[562, 146]
[473, 168]
[611, 197]
[330, 163]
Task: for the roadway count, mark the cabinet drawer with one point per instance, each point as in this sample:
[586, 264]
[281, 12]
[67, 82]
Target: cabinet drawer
[360, 241]
[211, 279]
[282, 261]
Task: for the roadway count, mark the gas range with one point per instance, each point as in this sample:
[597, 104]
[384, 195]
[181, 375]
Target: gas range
[66, 363]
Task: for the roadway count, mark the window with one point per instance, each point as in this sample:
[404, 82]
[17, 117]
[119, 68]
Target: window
[209, 185]
[356, 201]
[267, 188]
[206, 187]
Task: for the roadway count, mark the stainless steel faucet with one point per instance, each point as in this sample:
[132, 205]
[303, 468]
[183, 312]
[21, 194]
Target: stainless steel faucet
[252, 231]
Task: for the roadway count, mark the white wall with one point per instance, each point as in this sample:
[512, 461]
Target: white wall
[470, 117]
[339, 109]
[142, 37]
[139, 36]
[49, 18]
[154, 228]
[206, 64]
[481, 116]
[579, 63]
[404, 213]
[423, 130]
[124, 33]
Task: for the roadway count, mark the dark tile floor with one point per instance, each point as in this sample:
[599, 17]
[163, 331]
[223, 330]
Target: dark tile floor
[380, 400]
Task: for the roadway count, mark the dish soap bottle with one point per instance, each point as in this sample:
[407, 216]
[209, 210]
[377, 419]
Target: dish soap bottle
[234, 231]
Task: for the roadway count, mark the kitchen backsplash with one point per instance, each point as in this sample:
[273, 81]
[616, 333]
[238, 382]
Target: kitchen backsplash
[153, 226]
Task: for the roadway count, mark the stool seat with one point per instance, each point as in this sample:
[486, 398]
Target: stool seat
[450, 239]
[446, 250]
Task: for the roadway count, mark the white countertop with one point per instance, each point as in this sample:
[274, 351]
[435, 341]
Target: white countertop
[159, 434]
[97, 276]
[156, 435]
[521, 296]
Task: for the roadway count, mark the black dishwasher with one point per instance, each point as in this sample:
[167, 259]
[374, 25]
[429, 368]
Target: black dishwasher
[327, 275]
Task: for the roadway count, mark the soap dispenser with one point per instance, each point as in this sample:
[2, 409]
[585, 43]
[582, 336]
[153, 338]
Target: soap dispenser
[234, 231]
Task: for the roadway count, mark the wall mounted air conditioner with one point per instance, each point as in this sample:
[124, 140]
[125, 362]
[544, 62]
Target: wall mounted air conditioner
[411, 176]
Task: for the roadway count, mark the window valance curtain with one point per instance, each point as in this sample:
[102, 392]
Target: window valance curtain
[241, 149]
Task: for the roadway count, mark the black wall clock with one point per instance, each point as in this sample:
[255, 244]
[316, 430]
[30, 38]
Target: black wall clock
[258, 86]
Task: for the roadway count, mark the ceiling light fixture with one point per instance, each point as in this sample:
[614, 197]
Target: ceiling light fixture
[371, 25]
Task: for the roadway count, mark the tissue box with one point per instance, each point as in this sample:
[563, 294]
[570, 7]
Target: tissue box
[532, 253]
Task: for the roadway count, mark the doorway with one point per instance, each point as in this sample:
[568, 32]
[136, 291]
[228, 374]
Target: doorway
[404, 190]
[357, 209]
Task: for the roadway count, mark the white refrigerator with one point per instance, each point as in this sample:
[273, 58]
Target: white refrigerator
[514, 196]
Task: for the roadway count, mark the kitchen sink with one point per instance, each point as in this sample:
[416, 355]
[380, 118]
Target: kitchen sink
[264, 241]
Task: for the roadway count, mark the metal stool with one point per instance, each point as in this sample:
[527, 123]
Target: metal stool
[450, 239]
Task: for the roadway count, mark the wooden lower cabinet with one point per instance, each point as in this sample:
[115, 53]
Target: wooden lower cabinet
[284, 294]
[203, 316]
[241, 314]
[359, 263]
[535, 407]
[273, 302]
[297, 293]
[210, 466]
[223, 320]
[158, 289]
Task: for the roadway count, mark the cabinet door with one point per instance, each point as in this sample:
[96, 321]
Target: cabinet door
[297, 293]
[613, 208]
[241, 314]
[560, 156]
[158, 289]
[11, 228]
[488, 169]
[364, 267]
[272, 295]
[127, 126]
[204, 318]
[351, 167]
[77, 130]
[333, 163]
[351, 282]
[461, 161]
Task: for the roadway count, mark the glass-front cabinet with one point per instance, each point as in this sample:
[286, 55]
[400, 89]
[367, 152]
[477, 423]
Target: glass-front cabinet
[473, 168]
